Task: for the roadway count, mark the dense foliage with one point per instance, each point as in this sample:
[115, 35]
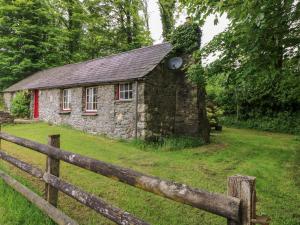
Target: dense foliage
[167, 13]
[283, 122]
[20, 105]
[257, 68]
[37, 34]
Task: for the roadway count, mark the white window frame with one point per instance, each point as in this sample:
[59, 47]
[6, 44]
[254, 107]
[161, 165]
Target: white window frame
[125, 91]
[91, 100]
[66, 100]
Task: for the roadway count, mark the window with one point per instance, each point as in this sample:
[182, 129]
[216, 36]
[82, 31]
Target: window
[125, 91]
[66, 99]
[91, 99]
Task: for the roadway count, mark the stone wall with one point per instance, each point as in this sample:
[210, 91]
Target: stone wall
[171, 104]
[166, 105]
[186, 119]
[7, 97]
[115, 118]
[160, 101]
[5, 117]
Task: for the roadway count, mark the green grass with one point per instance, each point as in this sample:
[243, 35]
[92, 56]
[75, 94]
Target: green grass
[273, 158]
[15, 210]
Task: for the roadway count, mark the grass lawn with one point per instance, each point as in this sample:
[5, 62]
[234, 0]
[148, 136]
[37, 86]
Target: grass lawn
[273, 158]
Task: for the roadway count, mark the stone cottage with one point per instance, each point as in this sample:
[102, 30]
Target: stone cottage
[135, 94]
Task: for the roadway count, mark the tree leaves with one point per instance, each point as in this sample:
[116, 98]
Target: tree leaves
[259, 51]
[38, 34]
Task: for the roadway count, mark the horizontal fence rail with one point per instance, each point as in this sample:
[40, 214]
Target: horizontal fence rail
[117, 215]
[225, 206]
[55, 214]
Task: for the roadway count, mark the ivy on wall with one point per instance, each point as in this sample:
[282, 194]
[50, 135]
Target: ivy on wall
[186, 41]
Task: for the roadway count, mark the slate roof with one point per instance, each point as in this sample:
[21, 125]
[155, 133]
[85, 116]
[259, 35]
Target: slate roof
[120, 67]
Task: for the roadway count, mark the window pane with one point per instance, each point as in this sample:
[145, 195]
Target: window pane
[122, 95]
[66, 99]
[91, 99]
[125, 91]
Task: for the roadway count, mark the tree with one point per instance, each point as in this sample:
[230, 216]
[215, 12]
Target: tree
[71, 17]
[259, 53]
[29, 39]
[146, 14]
[130, 25]
[167, 10]
[37, 34]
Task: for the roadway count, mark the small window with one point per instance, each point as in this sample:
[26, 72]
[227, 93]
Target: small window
[66, 99]
[91, 99]
[125, 91]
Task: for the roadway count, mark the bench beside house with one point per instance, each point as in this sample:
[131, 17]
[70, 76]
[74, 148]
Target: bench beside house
[128, 95]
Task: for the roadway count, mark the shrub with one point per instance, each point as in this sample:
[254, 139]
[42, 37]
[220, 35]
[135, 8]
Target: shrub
[20, 106]
[170, 143]
[213, 113]
[282, 122]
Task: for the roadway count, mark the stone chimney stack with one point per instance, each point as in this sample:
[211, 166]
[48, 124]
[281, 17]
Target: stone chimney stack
[188, 20]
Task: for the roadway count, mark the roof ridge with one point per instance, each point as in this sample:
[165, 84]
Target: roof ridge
[121, 53]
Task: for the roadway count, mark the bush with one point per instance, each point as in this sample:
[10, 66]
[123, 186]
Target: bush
[170, 143]
[213, 114]
[20, 106]
[283, 122]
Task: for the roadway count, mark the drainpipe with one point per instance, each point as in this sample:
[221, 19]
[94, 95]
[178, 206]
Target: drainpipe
[136, 107]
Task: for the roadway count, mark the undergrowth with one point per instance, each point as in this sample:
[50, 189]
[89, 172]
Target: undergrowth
[284, 123]
[169, 143]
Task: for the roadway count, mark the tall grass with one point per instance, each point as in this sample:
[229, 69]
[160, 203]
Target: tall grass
[169, 143]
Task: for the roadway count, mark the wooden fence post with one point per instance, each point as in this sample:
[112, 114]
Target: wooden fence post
[243, 187]
[52, 167]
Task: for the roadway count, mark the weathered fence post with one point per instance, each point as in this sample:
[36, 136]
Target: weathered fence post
[243, 187]
[52, 167]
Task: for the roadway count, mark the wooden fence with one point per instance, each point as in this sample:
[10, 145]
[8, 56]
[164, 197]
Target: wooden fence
[238, 206]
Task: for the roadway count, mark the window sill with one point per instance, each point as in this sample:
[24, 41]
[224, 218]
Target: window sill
[65, 112]
[90, 114]
[124, 100]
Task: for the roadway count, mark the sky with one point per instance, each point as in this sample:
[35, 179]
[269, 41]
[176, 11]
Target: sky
[209, 29]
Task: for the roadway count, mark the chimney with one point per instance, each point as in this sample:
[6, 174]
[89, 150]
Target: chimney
[188, 20]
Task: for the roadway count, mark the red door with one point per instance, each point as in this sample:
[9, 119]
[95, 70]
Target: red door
[36, 104]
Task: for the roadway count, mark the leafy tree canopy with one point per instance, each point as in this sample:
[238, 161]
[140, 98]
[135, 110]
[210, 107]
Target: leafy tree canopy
[258, 55]
[38, 34]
